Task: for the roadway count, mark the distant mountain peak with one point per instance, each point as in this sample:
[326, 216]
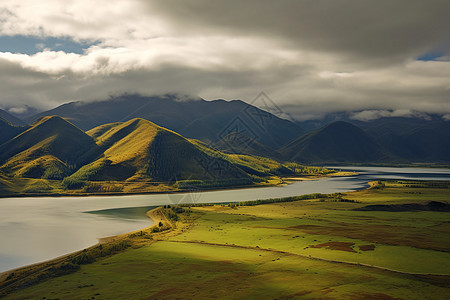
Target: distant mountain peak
[337, 142]
[53, 119]
[54, 123]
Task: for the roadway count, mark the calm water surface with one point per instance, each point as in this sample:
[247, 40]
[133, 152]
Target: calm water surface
[38, 229]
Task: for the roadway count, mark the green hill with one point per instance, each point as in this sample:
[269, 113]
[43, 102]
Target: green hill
[98, 131]
[141, 150]
[49, 149]
[5, 184]
[338, 142]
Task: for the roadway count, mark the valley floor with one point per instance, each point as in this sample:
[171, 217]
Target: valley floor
[313, 249]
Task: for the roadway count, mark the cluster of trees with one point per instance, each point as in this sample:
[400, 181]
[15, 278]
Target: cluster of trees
[79, 178]
[54, 172]
[298, 169]
[199, 184]
[104, 187]
[285, 199]
[333, 197]
[430, 184]
[88, 256]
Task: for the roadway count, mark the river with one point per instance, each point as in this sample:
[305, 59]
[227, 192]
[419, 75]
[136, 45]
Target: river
[36, 229]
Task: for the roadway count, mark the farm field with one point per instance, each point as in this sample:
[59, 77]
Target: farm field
[370, 244]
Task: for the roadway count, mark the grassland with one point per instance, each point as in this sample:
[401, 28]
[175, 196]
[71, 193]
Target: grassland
[319, 248]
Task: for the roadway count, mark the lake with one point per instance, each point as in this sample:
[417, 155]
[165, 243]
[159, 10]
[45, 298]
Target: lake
[41, 228]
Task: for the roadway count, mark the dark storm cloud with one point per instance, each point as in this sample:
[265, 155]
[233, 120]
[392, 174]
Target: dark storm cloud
[364, 28]
[311, 57]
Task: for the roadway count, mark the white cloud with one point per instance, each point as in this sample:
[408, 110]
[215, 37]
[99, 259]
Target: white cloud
[329, 74]
[369, 115]
[304, 59]
[18, 110]
[79, 19]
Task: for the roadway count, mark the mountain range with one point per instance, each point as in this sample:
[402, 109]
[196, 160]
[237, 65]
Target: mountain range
[412, 139]
[235, 127]
[338, 142]
[134, 154]
[208, 121]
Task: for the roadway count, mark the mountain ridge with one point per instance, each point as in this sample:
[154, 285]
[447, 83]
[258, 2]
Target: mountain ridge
[419, 139]
[337, 142]
[208, 121]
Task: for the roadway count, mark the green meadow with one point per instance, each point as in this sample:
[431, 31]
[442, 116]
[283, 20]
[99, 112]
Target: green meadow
[318, 248]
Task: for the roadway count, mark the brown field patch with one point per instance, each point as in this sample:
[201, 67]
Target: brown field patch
[342, 246]
[424, 238]
[375, 296]
[367, 247]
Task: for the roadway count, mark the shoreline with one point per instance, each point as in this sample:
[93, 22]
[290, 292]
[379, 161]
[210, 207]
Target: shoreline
[156, 219]
[284, 181]
[40, 266]
[293, 179]
[287, 180]
[35, 273]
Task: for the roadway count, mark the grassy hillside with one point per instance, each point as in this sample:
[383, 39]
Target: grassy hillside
[49, 149]
[5, 184]
[140, 150]
[100, 130]
[263, 166]
[308, 247]
[336, 143]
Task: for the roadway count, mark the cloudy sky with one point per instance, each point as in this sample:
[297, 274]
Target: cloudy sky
[384, 57]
